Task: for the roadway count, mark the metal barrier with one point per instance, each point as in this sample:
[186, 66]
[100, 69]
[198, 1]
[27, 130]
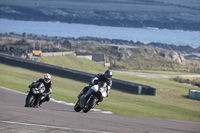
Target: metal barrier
[118, 84]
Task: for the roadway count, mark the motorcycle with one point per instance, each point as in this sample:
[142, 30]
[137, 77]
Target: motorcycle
[35, 94]
[91, 98]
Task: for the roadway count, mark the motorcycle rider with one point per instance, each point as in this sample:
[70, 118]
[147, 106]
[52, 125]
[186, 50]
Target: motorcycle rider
[48, 87]
[106, 77]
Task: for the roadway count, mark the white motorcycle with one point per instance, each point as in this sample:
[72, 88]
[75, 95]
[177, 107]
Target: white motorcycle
[91, 98]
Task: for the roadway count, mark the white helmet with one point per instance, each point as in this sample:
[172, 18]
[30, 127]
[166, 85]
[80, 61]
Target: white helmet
[47, 78]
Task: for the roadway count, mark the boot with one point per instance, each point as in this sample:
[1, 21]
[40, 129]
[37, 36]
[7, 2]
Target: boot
[40, 103]
[100, 100]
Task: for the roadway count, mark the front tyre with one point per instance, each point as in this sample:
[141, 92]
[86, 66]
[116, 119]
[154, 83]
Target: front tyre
[91, 103]
[77, 107]
[29, 101]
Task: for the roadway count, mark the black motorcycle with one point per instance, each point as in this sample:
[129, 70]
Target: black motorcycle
[92, 97]
[35, 94]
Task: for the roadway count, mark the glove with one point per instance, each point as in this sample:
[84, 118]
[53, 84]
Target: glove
[95, 82]
[45, 94]
[50, 90]
[101, 99]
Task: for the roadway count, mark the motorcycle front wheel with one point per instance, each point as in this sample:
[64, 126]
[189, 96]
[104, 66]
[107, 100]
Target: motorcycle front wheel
[77, 107]
[29, 101]
[91, 103]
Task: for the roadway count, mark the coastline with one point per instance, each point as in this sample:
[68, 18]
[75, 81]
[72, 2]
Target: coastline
[137, 35]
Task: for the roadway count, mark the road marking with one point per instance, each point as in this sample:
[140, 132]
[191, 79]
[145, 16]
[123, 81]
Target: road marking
[47, 126]
[155, 75]
[12, 90]
[72, 104]
[62, 102]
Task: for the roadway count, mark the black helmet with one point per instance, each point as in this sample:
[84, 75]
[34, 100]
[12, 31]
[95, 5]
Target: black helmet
[108, 74]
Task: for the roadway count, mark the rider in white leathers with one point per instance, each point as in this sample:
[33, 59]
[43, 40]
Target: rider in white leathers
[106, 77]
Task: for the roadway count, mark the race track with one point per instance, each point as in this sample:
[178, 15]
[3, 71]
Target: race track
[55, 117]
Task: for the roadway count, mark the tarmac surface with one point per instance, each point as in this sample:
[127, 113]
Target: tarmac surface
[156, 75]
[55, 117]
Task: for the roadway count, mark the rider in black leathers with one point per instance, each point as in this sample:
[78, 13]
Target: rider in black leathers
[48, 87]
[106, 77]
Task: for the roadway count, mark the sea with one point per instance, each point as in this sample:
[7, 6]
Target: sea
[145, 35]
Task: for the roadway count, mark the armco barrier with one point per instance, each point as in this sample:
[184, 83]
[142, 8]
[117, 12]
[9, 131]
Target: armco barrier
[118, 84]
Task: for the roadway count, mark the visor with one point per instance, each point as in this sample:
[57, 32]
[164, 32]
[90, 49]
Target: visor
[47, 80]
[109, 76]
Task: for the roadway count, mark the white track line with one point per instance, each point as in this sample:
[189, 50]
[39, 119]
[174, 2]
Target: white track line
[12, 90]
[61, 102]
[47, 126]
[72, 104]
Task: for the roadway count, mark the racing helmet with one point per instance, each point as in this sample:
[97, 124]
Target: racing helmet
[108, 74]
[47, 78]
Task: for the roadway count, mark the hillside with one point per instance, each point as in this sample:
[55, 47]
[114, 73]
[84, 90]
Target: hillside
[126, 57]
[121, 57]
[71, 61]
[174, 14]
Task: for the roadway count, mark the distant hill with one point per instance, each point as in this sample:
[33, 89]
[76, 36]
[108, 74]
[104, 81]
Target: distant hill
[120, 57]
[188, 51]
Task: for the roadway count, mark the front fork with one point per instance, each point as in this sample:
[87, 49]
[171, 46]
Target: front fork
[85, 98]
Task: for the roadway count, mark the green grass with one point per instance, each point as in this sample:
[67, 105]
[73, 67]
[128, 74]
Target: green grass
[83, 64]
[153, 64]
[71, 61]
[170, 102]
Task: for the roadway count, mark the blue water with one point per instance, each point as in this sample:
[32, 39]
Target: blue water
[145, 35]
